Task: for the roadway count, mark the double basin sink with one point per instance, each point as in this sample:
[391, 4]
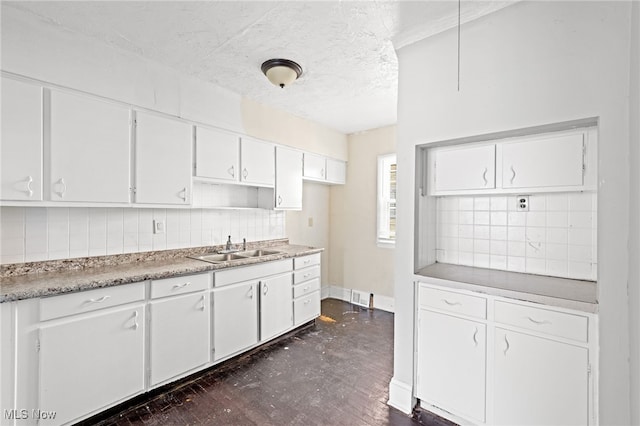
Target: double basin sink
[236, 256]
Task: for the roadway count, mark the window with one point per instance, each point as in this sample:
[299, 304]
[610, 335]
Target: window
[387, 200]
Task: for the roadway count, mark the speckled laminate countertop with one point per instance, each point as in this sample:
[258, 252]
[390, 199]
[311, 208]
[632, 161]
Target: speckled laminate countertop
[553, 291]
[50, 283]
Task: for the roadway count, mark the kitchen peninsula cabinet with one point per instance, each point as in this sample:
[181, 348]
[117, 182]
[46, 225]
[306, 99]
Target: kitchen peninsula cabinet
[163, 160]
[21, 148]
[217, 155]
[89, 149]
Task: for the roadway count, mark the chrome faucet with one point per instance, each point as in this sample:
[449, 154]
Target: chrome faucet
[228, 246]
[244, 244]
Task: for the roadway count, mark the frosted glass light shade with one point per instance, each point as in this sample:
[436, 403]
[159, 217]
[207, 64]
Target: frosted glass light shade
[281, 72]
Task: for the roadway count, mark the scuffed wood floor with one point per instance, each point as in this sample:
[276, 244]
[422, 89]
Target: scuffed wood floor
[334, 373]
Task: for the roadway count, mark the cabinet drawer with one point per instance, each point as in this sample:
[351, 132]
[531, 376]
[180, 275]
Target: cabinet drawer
[555, 323]
[306, 274]
[87, 301]
[306, 261]
[306, 308]
[179, 285]
[253, 272]
[453, 302]
[306, 287]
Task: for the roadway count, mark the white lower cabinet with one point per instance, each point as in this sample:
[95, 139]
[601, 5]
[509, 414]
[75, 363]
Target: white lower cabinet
[90, 361]
[306, 289]
[235, 318]
[276, 307]
[539, 381]
[452, 363]
[517, 364]
[179, 335]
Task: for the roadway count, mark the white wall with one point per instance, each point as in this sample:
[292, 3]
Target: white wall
[531, 64]
[40, 49]
[356, 260]
[634, 215]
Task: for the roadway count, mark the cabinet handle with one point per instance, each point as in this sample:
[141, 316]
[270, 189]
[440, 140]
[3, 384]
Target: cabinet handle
[475, 337]
[306, 302]
[135, 320]
[100, 300]
[245, 173]
[265, 288]
[451, 303]
[538, 322]
[306, 275]
[306, 261]
[279, 200]
[202, 300]
[306, 288]
[184, 194]
[29, 187]
[232, 171]
[484, 176]
[251, 292]
[506, 348]
[179, 286]
[64, 187]
[513, 175]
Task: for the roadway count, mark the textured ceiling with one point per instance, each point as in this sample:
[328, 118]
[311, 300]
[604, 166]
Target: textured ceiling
[345, 48]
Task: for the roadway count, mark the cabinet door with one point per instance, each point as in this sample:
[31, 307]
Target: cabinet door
[288, 179]
[539, 381]
[257, 161]
[21, 143]
[235, 318]
[217, 154]
[548, 162]
[91, 361]
[163, 160]
[276, 306]
[314, 166]
[336, 171]
[90, 150]
[452, 364]
[179, 335]
[465, 168]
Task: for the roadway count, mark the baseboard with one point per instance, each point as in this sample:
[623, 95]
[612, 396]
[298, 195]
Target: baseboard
[384, 303]
[401, 396]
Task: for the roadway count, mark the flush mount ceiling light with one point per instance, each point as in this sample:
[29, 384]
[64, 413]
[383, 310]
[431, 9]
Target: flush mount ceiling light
[281, 72]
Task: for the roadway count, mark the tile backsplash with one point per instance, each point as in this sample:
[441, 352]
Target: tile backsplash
[29, 234]
[557, 236]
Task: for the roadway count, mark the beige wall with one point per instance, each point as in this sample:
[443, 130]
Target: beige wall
[356, 260]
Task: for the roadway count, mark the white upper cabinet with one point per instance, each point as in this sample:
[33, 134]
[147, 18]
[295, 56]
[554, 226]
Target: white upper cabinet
[257, 162]
[163, 160]
[543, 162]
[336, 171]
[217, 154]
[464, 168]
[90, 149]
[21, 143]
[288, 191]
[314, 167]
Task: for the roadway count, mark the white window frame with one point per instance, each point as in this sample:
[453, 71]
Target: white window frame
[384, 237]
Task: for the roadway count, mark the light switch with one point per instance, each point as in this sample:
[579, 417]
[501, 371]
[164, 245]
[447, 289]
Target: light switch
[158, 227]
[310, 222]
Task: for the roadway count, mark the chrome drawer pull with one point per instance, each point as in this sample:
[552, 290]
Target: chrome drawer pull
[29, 187]
[179, 286]
[135, 320]
[100, 300]
[506, 347]
[202, 300]
[306, 275]
[451, 303]
[538, 322]
[231, 171]
[475, 337]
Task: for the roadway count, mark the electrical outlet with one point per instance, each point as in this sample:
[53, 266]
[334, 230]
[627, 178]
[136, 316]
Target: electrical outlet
[523, 203]
[158, 227]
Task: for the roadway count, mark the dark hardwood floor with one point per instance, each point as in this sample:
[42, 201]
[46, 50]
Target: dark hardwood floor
[335, 372]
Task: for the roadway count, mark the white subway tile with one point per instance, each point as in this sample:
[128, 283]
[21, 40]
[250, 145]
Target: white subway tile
[515, 264]
[557, 202]
[516, 248]
[536, 219]
[130, 220]
[498, 203]
[465, 218]
[465, 244]
[481, 218]
[498, 262]
[516, 233]
[537, 202]
[499, 233]
[557, 235]
[580, 270]
[145, 241]
[11, 258]
[557, 219]
[516, 219]
[535, 266]
[481, 260]
[535, 250]
[12, 215]
[580, 201]
[465, 258]
[557, 251]
[580, 219]
[482, 232]
[536, 235]
[580, 236]
[12, 246]
[465, 203]
[581, 253]
[557, 268]
[498, 248]
[482, 246]
[465, 231]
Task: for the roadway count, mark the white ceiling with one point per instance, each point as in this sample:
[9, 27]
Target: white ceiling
[346, 48]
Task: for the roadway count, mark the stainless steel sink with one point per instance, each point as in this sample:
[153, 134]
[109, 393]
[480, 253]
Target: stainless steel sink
[257, 253]
[219, 258]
